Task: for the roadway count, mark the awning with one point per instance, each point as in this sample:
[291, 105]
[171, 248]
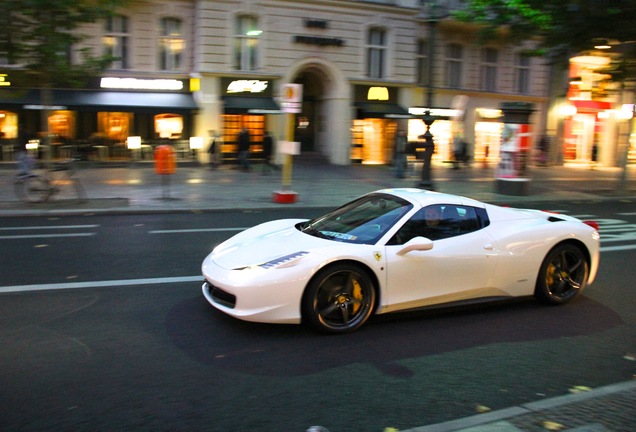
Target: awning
[381, 110]
[91, 100]
[250, 105]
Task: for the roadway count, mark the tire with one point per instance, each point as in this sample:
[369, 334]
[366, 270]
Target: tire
[563, 274]
[339, 299]
[32, 189]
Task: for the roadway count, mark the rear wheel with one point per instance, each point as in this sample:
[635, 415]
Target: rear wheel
[563, 274]
[339, 299]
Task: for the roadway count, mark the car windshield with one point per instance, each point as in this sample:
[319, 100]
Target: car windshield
[363, 221]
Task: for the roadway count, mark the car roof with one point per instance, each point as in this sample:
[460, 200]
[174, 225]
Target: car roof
[425, 197]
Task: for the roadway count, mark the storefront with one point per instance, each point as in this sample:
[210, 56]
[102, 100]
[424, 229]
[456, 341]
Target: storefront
[375, 124]
[246, 104]
[97, 122]
[488, 131]
[443, 129]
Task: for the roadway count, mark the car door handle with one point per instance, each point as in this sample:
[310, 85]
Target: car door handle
[489, 246]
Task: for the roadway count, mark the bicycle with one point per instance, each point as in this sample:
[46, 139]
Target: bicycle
[31, 187]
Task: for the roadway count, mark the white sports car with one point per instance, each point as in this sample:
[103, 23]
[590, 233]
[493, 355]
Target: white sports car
[398, 249]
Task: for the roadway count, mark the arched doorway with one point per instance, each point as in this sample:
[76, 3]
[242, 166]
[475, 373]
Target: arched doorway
[308, 121]
[323, 126]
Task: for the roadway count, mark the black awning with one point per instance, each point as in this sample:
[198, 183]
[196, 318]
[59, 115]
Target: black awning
[90, 100]
[250, 105]
[381, 110]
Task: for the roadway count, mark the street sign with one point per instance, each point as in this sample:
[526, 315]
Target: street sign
[291, 98]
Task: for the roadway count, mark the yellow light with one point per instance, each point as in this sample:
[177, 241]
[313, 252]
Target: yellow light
[378, 93]
[195, 84]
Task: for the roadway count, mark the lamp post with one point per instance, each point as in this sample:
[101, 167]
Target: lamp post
[431, 18]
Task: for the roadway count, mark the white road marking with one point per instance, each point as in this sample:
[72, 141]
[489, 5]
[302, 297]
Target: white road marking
[195, 230]
[100, 284]
[52, 227]
[29, 236]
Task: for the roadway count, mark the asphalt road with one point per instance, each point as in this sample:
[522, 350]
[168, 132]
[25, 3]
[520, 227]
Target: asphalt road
[103, 327]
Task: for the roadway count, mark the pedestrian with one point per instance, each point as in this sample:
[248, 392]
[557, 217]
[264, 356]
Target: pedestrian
[244, 142]
[543, 147]
[268, 146]
[399, 155]
[24, 159]
[459, 151]
[213, 149]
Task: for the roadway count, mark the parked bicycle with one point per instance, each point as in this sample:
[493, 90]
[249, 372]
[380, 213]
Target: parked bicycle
[57, 177]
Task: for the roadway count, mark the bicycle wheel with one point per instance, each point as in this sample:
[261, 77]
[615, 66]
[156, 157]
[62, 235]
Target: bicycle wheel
[32, 189]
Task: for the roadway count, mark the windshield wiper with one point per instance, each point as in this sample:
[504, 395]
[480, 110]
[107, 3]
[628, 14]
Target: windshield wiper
[308, 228]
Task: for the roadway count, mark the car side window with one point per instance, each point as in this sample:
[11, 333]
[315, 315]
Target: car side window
[437, 222]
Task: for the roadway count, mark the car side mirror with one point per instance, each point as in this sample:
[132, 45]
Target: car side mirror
[416, 244]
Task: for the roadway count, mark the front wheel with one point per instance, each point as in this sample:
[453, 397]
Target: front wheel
[32, 188]
[563, 274]
[339, 299]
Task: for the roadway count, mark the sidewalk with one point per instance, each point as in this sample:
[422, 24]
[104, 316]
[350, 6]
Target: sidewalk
[134, 187]
[606, 409]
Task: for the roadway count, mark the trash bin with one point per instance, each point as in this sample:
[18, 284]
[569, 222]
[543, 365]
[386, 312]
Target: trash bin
[165, 160]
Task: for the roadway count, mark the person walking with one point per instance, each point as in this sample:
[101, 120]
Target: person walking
[213, 150]
[399, 155]
[244, 141]
[268, 146]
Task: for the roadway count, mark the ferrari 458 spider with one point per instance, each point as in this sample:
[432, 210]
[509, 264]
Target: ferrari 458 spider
[398, 249]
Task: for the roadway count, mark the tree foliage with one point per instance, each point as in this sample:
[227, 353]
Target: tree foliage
[563, 27]
[41, 38]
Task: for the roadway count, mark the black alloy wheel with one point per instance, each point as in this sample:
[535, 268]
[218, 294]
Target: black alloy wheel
[563, 274]
[339, 299]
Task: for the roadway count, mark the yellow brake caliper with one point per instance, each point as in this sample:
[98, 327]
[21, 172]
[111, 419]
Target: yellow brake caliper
[357, 294]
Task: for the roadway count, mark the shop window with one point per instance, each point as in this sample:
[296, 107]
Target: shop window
[442, 131]
[454, 65]
[487, 139]
[171, 44]
[373, 140]
[376, 53]
[246, 43]
[522, 73]
[115, 41]
[8, 125]
[169, 126]
[489, 69]
[114, 125]
[62, 125]
[232, 125]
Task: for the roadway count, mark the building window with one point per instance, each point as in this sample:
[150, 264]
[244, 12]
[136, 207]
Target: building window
[489, 69]
[454, 64]
[171, 44]
[422, 66]
[376, 53]
[115, 41]
[522, 73]
[169, 126]
[246, 43]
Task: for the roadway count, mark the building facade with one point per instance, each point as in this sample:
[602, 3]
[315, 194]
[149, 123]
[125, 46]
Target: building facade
[192, 68]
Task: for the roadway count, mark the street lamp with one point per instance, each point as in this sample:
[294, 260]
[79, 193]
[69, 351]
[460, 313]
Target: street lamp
[428, 13]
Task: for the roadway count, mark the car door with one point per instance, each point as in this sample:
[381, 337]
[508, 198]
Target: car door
[460, 265]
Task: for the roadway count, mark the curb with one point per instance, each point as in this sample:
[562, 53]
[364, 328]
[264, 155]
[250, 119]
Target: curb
[529, 408]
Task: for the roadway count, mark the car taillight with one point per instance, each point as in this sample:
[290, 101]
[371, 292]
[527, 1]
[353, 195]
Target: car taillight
[591, 223]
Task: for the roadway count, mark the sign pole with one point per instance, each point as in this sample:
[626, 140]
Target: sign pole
[291, 104]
